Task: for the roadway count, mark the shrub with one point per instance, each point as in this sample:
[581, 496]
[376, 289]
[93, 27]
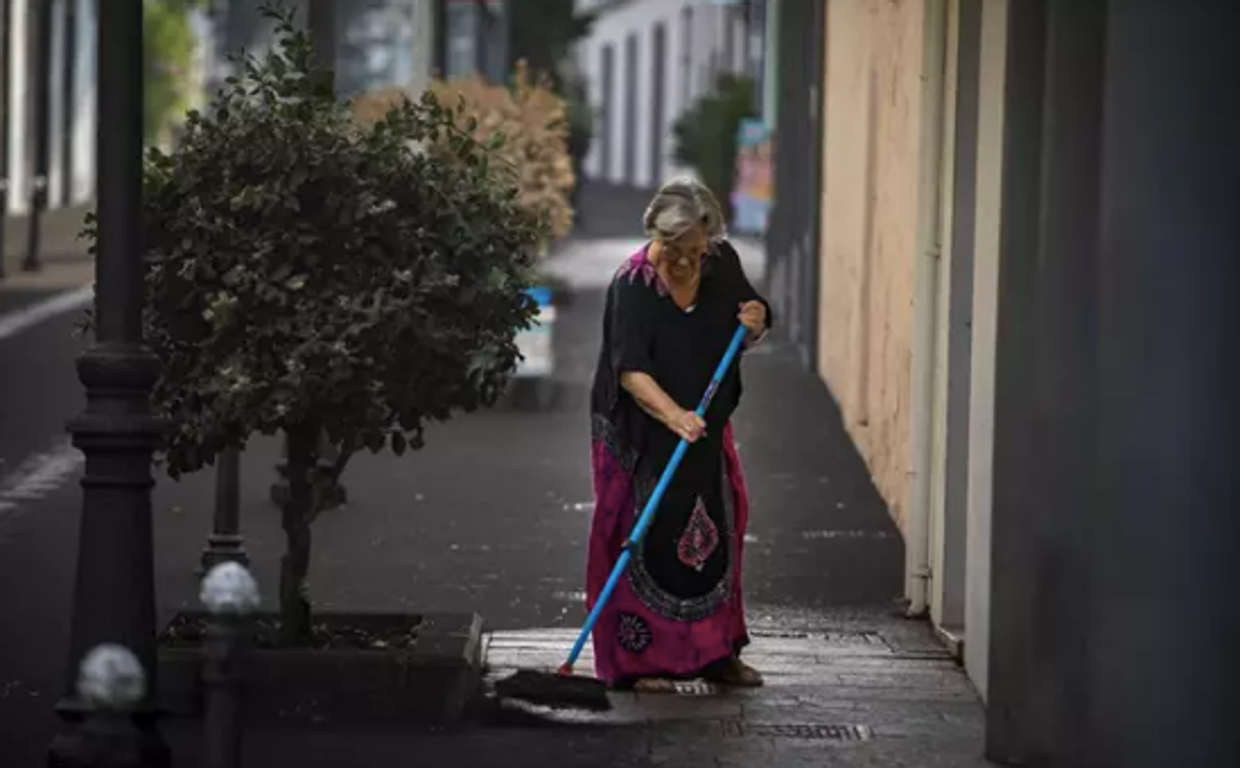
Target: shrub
[310, 277]
[534, 123]
[705, 134]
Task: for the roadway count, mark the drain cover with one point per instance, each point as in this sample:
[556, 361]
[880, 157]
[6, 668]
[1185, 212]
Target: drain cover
[864, 637]
[696, 688]
[810, 732]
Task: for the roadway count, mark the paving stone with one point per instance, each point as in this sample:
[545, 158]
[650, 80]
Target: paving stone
[835, 696]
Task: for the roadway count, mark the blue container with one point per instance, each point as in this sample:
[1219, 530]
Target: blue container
[541, 295]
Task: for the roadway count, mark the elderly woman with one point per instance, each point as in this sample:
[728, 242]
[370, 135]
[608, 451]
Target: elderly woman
[672, 309]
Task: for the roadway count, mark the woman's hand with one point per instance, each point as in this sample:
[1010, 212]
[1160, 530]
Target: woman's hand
[753, 317]
[687, 425]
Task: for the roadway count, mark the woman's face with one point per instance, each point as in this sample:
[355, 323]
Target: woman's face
[683, 255]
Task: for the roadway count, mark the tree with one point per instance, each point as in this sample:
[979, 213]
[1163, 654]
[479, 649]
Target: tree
[705, 134]
[170, 44]
[541, 35]
[307, 275]
[534, 123]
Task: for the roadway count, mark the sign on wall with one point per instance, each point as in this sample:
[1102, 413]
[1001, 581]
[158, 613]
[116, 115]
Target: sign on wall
[753, 192]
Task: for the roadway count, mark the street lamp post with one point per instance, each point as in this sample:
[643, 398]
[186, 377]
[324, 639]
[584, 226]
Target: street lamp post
[114, 600]
[42, 134]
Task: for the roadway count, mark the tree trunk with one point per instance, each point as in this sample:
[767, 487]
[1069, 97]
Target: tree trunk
[296, 516]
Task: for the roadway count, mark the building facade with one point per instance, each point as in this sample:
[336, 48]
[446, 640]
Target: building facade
[473, 39]
[645, 62]
[379, 43]
[793, 109]
[68, 29]
[1025, 213]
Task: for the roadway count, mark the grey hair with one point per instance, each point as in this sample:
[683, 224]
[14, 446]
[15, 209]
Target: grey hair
[679, 206]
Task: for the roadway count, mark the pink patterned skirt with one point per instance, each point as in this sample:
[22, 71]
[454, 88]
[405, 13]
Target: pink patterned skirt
[646, 630]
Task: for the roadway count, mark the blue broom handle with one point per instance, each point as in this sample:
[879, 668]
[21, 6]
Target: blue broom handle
[652, 504]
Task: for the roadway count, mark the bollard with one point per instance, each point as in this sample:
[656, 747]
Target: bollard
[111, 682]
[230, 594]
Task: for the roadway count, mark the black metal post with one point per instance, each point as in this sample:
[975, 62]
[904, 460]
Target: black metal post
[42, 134]
[321, 21]
[230, 595]
[68, 100]
[114, 599]
[222, 674]
[6, 118]
[221, 678]
[226, 544]
[218, 12]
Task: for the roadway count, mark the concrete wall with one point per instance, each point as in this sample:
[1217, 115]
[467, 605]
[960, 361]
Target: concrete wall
[688, 70]
[871, 206]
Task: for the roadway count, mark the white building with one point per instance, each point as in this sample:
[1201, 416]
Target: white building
[71, 140]
[644, 63]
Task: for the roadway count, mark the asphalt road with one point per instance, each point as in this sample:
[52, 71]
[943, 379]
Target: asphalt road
[491, 516]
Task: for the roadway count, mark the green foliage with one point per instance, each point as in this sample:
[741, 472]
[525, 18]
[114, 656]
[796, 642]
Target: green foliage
[170, 44]
[705, 134]
[307, 272]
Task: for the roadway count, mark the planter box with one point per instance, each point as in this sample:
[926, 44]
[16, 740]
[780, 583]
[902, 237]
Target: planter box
[430, 682]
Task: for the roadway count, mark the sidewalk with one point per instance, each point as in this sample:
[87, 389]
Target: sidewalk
[843, 689]
[849, 682]
[492, 517]
[64, 260]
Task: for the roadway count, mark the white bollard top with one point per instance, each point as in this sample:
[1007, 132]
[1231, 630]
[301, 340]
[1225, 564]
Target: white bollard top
[229, 588]
[111, 677]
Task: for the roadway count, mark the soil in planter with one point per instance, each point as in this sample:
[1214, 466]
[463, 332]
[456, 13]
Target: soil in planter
[189, 631]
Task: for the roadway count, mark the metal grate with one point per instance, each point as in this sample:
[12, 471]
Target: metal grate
[863, 637]
[696, 688]
[735, 729]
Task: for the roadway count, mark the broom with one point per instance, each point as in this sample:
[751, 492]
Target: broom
[562, 688]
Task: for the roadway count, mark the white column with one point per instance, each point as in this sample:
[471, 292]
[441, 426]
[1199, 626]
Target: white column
[985, 312]
[57, 104]
[19, 95]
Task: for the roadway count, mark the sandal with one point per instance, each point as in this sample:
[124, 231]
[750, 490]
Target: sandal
[737, 674]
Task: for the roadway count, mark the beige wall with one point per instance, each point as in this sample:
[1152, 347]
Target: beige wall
[870, 227]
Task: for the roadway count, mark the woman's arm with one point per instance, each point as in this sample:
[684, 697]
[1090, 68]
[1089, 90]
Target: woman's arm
[734, 273]
[661, 407]
[650, 396]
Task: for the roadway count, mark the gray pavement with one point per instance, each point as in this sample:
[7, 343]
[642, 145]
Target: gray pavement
[845, 689]
[59, 236]
[493, 516]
